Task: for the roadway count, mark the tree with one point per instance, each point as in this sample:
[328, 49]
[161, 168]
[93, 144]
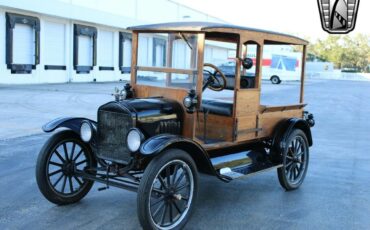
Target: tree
[344, 51]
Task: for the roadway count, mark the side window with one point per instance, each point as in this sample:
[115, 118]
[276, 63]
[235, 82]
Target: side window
[249, 77]
[125, 46]
[281, 69]
[22, 43]
[159, 52]
[182, 53]
[84, 48]
[221, 55]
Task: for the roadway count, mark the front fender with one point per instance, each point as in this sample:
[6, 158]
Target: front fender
[72, 123]
[155, 145]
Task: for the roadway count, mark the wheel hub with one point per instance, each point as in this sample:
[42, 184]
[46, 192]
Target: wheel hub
[296, 159]
[68, 168]
[170, 194]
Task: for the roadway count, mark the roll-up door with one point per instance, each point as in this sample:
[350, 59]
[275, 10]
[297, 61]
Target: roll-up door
[84, 48]
[23, 44]
[85, 51]
[54, 45]
[125, 46]
[105, 50]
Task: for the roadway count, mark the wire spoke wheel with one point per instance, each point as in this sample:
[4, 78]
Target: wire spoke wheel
[176, 180]
[170, 185]
[61, 157]
[295, 161]
[62, 164]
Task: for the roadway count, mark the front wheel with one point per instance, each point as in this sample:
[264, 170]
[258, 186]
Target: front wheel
[295, 161]
[62, 155]
[168, 191]
[275, 80]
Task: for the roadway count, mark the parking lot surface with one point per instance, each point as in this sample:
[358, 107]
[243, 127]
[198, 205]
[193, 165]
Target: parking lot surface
[335, 194]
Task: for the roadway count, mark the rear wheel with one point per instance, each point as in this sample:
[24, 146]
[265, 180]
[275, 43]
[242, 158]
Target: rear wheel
[275, 80]
[168, 191]
[58, 160]
[295, 161]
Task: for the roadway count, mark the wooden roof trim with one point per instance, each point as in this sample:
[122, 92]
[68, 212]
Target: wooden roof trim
[217, 27]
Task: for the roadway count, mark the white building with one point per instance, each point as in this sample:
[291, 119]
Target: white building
[76, 40]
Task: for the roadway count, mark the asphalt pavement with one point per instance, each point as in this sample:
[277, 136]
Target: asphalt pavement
[334, 195]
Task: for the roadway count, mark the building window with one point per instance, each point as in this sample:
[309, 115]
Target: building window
[125, 46]
[84, 48]
[22, 43]
[159, 52]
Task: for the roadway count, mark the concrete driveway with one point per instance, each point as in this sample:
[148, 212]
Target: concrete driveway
[335, 194]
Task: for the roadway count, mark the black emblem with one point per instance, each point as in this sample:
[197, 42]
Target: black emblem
[338, 16]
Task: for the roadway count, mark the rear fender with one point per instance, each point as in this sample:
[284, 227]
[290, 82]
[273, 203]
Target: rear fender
[283, 130]
[157, 144]
[72, 123]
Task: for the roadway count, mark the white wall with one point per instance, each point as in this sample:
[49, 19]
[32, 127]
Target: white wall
[57, 18]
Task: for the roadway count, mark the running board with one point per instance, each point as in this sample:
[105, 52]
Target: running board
[247, 170]
[243, 164]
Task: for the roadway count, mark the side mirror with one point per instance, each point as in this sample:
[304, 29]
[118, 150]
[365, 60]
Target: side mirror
[247, 63]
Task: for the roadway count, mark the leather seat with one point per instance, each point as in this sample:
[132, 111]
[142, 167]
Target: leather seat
[217, 107]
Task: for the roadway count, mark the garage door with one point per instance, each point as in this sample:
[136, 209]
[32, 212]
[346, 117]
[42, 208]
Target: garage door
[85, 50]
[180, 55]
[127, 46]
[144, 54]
[54, 44]
[105, 48]
[23, 44]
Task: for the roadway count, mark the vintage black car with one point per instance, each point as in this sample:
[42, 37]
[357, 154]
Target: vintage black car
[157, 135]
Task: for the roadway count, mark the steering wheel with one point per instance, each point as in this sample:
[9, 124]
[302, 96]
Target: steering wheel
[213, 82]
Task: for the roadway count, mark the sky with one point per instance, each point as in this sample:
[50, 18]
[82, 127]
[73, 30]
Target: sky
[298, 17]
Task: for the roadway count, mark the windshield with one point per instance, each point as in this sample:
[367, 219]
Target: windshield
[167, 60]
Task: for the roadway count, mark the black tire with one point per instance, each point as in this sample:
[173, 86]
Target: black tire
[295, 161]
[244, 84]
[275, 79]
[53, 182]
[172, 197]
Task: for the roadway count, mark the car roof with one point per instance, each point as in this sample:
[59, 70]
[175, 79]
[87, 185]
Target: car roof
[206, 26]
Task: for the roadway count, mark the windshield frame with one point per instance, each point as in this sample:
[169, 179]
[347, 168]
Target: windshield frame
[196, 50]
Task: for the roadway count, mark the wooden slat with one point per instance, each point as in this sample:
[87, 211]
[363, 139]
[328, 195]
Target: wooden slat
[244, 126]
[169, 58]
[247, 102]
[303, 73]
[278, 38]
[218, 127]
[200, 43]
[258, 78]
[166, 70]
[266, 109]
[268, 121]
[134, 57]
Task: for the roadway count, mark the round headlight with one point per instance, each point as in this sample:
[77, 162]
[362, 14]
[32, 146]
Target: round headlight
[187, 102]
[86, 131]
[134, 138]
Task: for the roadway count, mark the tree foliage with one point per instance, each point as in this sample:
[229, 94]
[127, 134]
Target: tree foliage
[344, 51]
